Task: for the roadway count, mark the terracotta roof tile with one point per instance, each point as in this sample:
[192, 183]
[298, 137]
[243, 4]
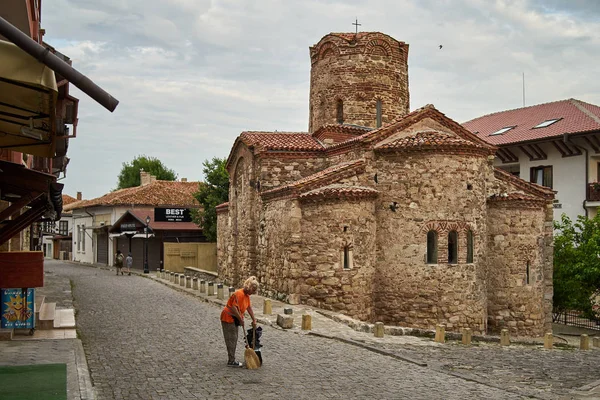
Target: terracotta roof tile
[428, 139]
[68, 199]
[335, 172]
[340, 192]
[157, 193]
[532, 188]
[513, 197]
[575, 117]
[222, 207]
[283, 141]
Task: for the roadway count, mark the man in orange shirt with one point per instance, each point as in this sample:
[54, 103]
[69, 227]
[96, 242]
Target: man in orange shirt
[232, 316]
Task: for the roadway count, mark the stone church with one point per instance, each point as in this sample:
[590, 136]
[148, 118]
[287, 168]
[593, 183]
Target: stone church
[384, 214]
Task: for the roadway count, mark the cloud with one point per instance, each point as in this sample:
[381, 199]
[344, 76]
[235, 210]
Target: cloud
[192, 74]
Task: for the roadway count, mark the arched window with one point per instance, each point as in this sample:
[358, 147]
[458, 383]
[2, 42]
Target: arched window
[340, 111]
[432, 245]
[469, 246]
[452, 247]
[378, 110]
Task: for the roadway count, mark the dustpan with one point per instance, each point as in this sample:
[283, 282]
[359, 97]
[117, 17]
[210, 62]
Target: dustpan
[250, 356]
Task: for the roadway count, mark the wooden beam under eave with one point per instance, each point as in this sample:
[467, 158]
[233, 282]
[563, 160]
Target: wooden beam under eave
[524, 150]
[593, 145]
[538, 150]
[557, 146]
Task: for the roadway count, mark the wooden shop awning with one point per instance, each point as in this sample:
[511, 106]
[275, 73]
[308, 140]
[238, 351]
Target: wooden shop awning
[28, 94]
[23, 187]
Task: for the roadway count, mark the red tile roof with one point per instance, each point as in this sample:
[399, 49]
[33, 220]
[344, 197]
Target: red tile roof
[324, 177]
[340, 192]
[68, 199]
[532, 188]
[157, 193]
[430, 139]
[284, 141]
[222, 207]
[575, 117]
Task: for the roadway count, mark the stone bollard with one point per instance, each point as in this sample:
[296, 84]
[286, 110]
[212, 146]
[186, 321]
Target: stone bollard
[231, 290]
[211, 288]
[182, 279]
[548, 341]
[596, 341]
[267, 310]
[378, 330]
[504, 337]
[158, 272]
[176, 281]
[285, 321]
[306, 322]
[584, 343]
[188, 282]
[220, 295]
[195, 283]
[440, 333]
[467, 335]
[202, 286]
[171, 276]
[288, 310]
[163, 273]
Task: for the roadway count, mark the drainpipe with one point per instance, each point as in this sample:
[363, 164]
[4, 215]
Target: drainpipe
[44, 56]
[567, 140]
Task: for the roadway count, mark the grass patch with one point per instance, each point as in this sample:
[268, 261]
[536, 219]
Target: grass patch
[40, 382]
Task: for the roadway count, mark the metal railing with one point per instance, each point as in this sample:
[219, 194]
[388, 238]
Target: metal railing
[576, 318]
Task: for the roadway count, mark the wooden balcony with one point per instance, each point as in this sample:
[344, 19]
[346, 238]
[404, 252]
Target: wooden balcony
[593, 191]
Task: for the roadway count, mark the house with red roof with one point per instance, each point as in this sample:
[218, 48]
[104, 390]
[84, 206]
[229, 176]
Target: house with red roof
[555, 144]
[384, 214]
[156, 212]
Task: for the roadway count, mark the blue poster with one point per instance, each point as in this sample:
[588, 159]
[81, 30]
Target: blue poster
[16, 308]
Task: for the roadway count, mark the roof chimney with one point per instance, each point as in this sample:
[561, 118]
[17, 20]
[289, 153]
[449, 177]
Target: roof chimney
[145, 177]
[183, 179]
[78, 195]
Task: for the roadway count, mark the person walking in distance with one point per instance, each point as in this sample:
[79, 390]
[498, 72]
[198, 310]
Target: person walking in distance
[129, 263]
[119, 262]
[232, 316]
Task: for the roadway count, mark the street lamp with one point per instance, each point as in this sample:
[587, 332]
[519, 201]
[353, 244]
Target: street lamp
[146, 269]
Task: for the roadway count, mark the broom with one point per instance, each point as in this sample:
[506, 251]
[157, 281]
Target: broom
[252, 360]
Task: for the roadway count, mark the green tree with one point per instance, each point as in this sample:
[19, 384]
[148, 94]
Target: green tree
[130, 173]
[212, 192]
[576, 263]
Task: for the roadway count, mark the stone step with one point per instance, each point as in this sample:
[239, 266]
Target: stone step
[39, 301]
[64, 319]
[47, 314]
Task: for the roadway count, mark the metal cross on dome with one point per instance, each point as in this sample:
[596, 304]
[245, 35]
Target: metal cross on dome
[357, 25]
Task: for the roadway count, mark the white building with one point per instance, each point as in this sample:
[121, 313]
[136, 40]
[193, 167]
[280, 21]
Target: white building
[56, 236]
[556, 145]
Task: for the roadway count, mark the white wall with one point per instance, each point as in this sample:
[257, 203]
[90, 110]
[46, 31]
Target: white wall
[82, 251]
[568, 177]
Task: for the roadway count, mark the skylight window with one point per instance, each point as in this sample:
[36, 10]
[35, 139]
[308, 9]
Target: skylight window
[503, 130]
[546, 123]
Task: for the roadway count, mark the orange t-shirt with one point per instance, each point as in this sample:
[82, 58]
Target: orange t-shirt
[239, 298]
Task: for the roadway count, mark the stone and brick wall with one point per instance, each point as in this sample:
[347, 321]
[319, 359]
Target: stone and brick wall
[430, 192]
[358, 71]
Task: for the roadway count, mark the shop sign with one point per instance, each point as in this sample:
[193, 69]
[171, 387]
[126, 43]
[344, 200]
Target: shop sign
[128, 226]
[16, 308]
[172, 215]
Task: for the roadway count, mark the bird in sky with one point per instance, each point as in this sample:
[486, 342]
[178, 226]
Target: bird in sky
[441, 46]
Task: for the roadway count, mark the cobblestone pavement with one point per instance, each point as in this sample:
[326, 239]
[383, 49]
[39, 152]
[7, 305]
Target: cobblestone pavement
[146, 340]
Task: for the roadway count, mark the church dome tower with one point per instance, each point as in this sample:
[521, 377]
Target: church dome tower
[359, 79]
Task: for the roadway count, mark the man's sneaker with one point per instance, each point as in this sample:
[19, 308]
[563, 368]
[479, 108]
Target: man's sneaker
[234, 364]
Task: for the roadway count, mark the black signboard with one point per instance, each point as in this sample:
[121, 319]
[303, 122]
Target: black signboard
[172, 215]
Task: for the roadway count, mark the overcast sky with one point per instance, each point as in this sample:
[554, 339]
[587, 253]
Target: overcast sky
[191, 75]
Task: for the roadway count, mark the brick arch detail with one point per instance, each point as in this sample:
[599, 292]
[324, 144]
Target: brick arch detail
[378, 47]
[327, 49]
[442, 227]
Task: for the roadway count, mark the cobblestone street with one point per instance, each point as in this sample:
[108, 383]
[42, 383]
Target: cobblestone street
[144, 340]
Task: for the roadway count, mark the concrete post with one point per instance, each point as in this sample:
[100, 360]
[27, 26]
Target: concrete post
[584, 343]
[182, 279]
[195, 283]
[220, 291]
[440, 333]
[267, 310]
[306, 322]
[467, 335]
[378, 330]
[188, 282]
[158, 272]
[171, 276]
[596, 341]
[504, 337]
[211, 288]
[176, 279]
[163, 273]
[202, 286]
[231, 290]
[548, 341]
